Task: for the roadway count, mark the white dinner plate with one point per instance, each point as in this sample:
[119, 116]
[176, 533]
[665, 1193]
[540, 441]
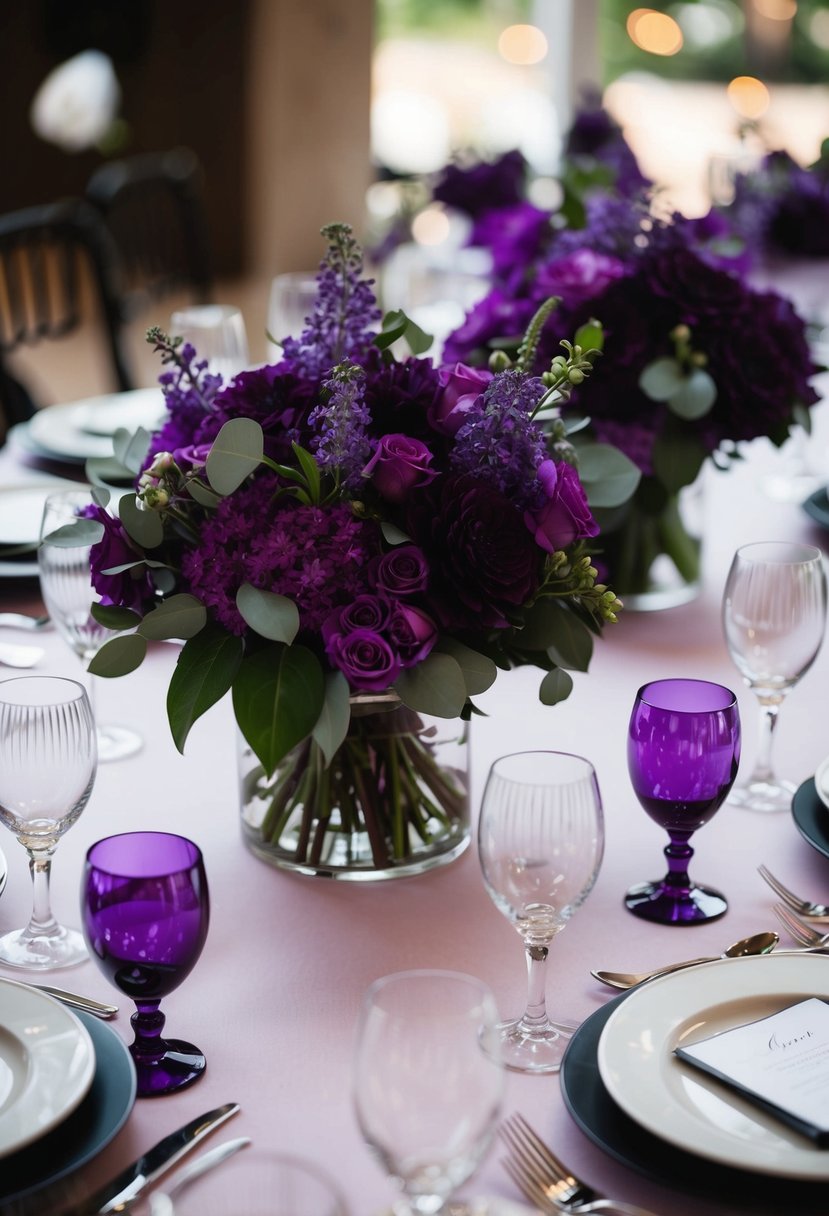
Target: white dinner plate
[47, 1063]
[79, 430]
[679, 1103]
[21, 510]
[822, 782]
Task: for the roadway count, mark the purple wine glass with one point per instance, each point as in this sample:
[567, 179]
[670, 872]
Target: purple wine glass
[145, 910]
[683, 753]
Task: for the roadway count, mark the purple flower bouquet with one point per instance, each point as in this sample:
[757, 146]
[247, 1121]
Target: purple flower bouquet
[350, 543]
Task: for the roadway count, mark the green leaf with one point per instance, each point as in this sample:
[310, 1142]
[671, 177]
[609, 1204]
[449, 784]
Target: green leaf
[163, 579]
[237, 450]
[479, 672]
[331, 726]
[661, 379]
[590, 336]
[119, 656]
[609, 477]
[180, 616]
[278, 695]
[203, 494]
[436, 686]
[556, 686]
[311, 470]
[130, 448]
[274, 617]
[79, 533]
[112, 616]
[144, 527]
[677, 459]
[396, 325]
[392, 535]
[107, 471]
[207, 665]
[100, 495]
[695, 396]
[572, 644]
[802, 416]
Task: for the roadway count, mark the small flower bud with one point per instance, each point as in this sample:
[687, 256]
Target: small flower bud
[575, 376]
[680, 333]
[156, 498]
[162, 462]
[499, 361]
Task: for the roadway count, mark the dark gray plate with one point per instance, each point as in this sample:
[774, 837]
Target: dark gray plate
[811, 817]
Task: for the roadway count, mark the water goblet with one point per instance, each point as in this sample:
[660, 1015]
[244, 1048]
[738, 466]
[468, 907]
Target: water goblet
[540, 842]
[145, 911]
[774, 618]
[47, 770]
[66, 586]
[427, 1097]
[217, 331]
[290, 304]
[683, 752]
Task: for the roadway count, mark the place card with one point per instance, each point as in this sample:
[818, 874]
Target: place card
[780, 1062]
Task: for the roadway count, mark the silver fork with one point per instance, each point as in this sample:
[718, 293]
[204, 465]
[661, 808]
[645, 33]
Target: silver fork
[807, 935]
[546, 1181]
[803, 907]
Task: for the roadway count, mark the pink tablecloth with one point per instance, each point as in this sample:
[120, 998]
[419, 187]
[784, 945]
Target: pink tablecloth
[273, 1000]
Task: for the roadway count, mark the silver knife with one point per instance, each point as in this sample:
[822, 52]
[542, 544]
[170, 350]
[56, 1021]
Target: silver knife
[117, 1194]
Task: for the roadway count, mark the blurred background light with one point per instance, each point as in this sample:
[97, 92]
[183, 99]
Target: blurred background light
[522, 44]
[656, 33]
[749, 96]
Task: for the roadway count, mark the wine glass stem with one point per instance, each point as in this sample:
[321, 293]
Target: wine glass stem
[678, 853]
[536, 1012]
[147, 1023]
[42, 923]
[763, 769]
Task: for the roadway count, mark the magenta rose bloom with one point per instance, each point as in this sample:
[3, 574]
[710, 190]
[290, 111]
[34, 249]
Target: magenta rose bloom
[365, 658]
[402, 571]
[364, 612]
[129, 589]
[462, 386]
[565, 516]
[413, 634]
[399, 464]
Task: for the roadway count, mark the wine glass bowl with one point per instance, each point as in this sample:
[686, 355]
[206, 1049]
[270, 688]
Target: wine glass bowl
[145, 909]
[774, 619]
[683, 752]
[47, 770]
[218, 334]
[68, 593]
[540, 842]
[426, 1095]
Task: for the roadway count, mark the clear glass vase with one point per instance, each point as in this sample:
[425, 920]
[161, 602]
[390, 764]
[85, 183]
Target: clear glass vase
[393, 802]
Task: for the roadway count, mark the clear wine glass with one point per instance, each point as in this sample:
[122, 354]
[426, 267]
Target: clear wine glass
[47, 770]
[145, 910]
[66, 586]
[774, 619]
[291, 303]
[683, 752]
[256, 1182]
[540, 842]
[427, 1091]
[217, 331]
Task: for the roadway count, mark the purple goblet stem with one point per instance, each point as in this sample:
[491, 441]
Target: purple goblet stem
[679, 854]
[147, 1023]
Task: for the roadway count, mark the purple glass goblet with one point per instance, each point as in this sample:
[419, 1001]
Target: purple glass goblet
[683, 753]
[145, 910]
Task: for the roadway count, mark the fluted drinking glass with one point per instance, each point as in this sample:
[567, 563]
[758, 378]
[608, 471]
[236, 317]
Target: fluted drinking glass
[774, 619]
[540, 842]
[427, 1085]
[66, 586]
[47, 771]
[218, 333]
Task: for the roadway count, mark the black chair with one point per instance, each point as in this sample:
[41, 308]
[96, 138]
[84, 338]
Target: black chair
[52, 259]
[153, 206]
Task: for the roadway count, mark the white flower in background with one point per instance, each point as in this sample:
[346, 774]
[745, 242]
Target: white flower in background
[78, 102]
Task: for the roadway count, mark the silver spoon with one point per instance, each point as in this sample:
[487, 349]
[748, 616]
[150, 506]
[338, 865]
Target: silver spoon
[758, 943]
[161, 1202]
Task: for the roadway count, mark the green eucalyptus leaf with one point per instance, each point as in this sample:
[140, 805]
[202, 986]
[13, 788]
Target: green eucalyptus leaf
[79, 533]
[202, 494]
[479, 671]
[130, 448]
[113, 616]
[163, 579]
[436, 686]
[590, 336]
[278, 695]
[609, 477]
[119, 656]
[100, 495]
[274, 617]
[661, 379]
[144, 527]
[331, 726]
[802, 416]
[237, 450]
[180, 616]
[556, 686]
[393, 535]
[107, 471]
[207, 665]
[572, 642]
[695, 396]
[677, 459]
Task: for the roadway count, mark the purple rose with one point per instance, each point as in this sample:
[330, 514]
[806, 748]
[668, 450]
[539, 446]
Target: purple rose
[399, 464]
[364, 612]
[565, 516]
[462, 386]
[402, 571]
[129, 589]
[413, 633]
[365, 658]
[578, 276]
[193, 456]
